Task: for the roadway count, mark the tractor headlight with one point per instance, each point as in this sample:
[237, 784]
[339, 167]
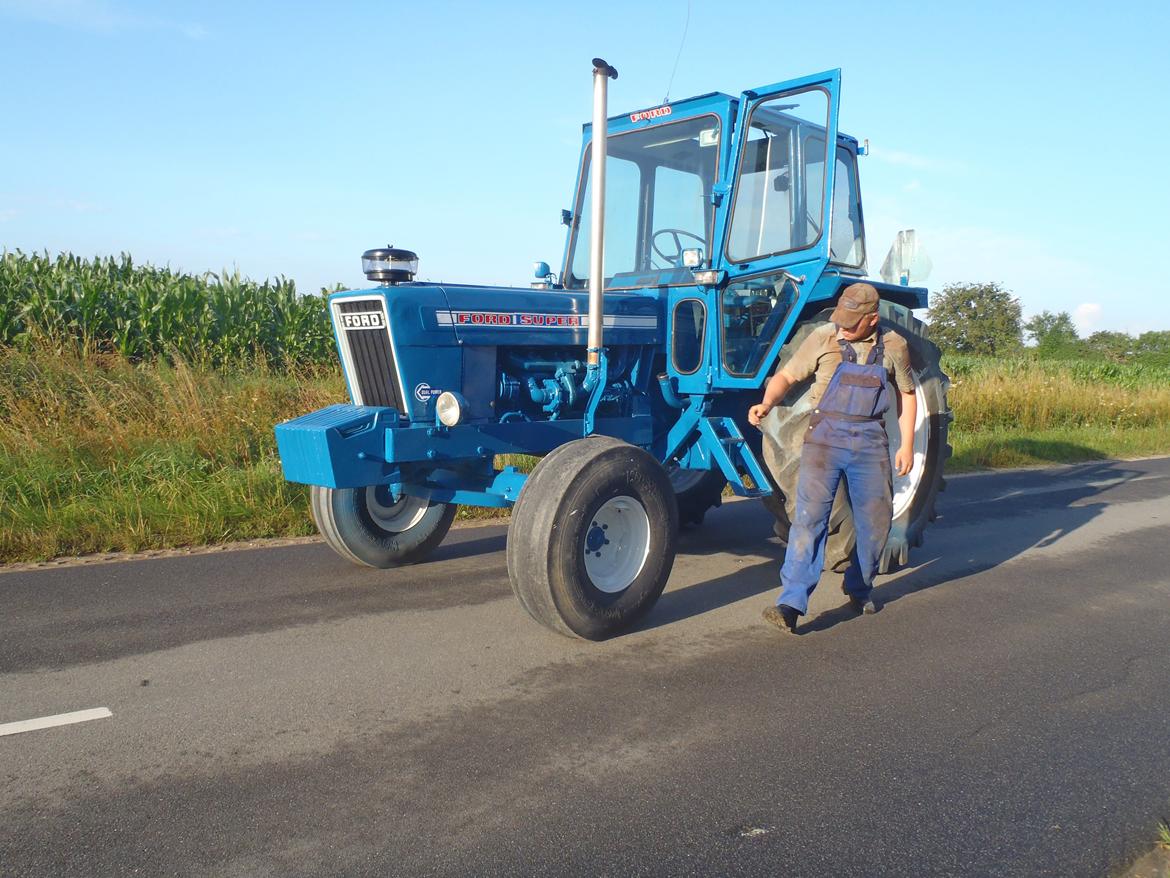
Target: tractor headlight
[710, 277]
[692, 257]
[449, 408]
[390, 265]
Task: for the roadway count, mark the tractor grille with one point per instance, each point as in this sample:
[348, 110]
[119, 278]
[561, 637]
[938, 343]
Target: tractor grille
[367, 353]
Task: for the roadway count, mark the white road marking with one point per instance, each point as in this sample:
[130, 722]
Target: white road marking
[48, 722]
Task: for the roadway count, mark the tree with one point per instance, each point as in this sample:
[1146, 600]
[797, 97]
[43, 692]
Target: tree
[1153, 348]
[976, 319]
[1054, 334]
[1115, 346]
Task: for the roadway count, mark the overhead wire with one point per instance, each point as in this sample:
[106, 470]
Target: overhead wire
[681, 43]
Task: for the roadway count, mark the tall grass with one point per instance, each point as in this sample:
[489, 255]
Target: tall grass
[1027, 411]
[99, 454]
[1095, 371]
[142, 312]
[1029, 395]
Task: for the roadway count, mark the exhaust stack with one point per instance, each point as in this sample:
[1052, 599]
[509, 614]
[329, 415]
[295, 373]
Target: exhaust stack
[601, 75]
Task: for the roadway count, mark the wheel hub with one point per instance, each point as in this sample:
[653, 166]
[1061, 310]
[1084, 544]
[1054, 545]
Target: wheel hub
[617, 544]
[394, 514]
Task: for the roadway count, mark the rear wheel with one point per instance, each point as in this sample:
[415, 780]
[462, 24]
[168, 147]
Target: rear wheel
[592, 539]
[696, 491]
[914, 494]
[373, 527]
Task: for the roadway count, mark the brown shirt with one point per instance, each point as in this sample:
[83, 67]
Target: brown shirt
[819, 355]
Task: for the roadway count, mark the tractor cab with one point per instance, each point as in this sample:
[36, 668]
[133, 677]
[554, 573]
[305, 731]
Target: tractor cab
[736, 210]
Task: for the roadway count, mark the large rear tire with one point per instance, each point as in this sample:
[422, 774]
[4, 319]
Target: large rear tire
[914, 495]
[369, 526]
[592, 539]
[696, 491]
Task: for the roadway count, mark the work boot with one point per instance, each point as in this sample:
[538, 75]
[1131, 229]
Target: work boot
[865, 607]
[783, 617]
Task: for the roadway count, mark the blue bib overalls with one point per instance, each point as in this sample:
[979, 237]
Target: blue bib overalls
[846, 437]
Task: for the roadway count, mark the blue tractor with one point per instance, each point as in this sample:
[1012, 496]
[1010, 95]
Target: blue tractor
[726, 229]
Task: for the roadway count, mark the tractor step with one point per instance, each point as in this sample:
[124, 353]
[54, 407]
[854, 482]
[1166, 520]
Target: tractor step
[730, 450]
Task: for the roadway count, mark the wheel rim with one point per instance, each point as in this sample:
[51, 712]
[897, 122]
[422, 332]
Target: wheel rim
[906, 487]
[617, 544]
[394, 515]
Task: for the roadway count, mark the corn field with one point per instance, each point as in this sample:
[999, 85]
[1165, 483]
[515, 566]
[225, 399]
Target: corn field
[1091, 373]
[144, 313]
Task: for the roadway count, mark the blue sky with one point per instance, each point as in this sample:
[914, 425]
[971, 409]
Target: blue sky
[1024, 141]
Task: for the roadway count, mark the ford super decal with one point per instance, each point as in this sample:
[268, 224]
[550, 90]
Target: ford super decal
[529, 320]
[644, 115]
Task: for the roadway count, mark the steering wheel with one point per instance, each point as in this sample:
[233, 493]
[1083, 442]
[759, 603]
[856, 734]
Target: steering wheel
[673, 260]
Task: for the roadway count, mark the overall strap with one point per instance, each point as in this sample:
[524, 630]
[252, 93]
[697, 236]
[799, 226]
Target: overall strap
[878, 351]
[848, 355]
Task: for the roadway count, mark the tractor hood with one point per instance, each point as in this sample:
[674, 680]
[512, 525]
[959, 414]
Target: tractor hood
[404, 344]
[511, 316]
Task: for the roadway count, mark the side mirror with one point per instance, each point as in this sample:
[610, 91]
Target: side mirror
[540, 270]
[907, 261]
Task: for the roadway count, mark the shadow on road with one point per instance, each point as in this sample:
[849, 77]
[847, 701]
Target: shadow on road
[1036, 509]
[451, 549]
[702, 597]
[983, 522]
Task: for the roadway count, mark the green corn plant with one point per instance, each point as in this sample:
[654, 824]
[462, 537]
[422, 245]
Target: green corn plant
[146, 313]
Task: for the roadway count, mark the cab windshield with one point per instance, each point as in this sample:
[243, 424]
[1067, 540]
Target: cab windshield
[658, 202]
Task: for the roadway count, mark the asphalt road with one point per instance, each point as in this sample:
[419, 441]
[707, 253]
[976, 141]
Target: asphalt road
[280, 712]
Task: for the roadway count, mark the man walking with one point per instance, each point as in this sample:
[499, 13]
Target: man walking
[851, 360]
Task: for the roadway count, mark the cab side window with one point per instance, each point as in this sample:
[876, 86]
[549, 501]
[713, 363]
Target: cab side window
[847, 244]
[688, 329]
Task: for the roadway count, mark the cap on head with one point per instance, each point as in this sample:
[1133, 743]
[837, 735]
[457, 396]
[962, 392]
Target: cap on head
[857, 301]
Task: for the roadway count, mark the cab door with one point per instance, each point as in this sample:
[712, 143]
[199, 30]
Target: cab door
[773, 237]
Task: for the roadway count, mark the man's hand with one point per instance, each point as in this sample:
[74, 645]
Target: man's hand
[907, 417]
[774, 391]
[904, 460]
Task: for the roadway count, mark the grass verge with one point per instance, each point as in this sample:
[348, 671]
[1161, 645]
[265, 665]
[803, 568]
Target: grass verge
[1002, 449]
[98, 454]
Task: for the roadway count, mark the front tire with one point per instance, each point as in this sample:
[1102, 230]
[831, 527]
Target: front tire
[592, 539]
[369, 526]
[914, 495]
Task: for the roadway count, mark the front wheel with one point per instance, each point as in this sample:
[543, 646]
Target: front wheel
[370, 526]
[592, 540]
